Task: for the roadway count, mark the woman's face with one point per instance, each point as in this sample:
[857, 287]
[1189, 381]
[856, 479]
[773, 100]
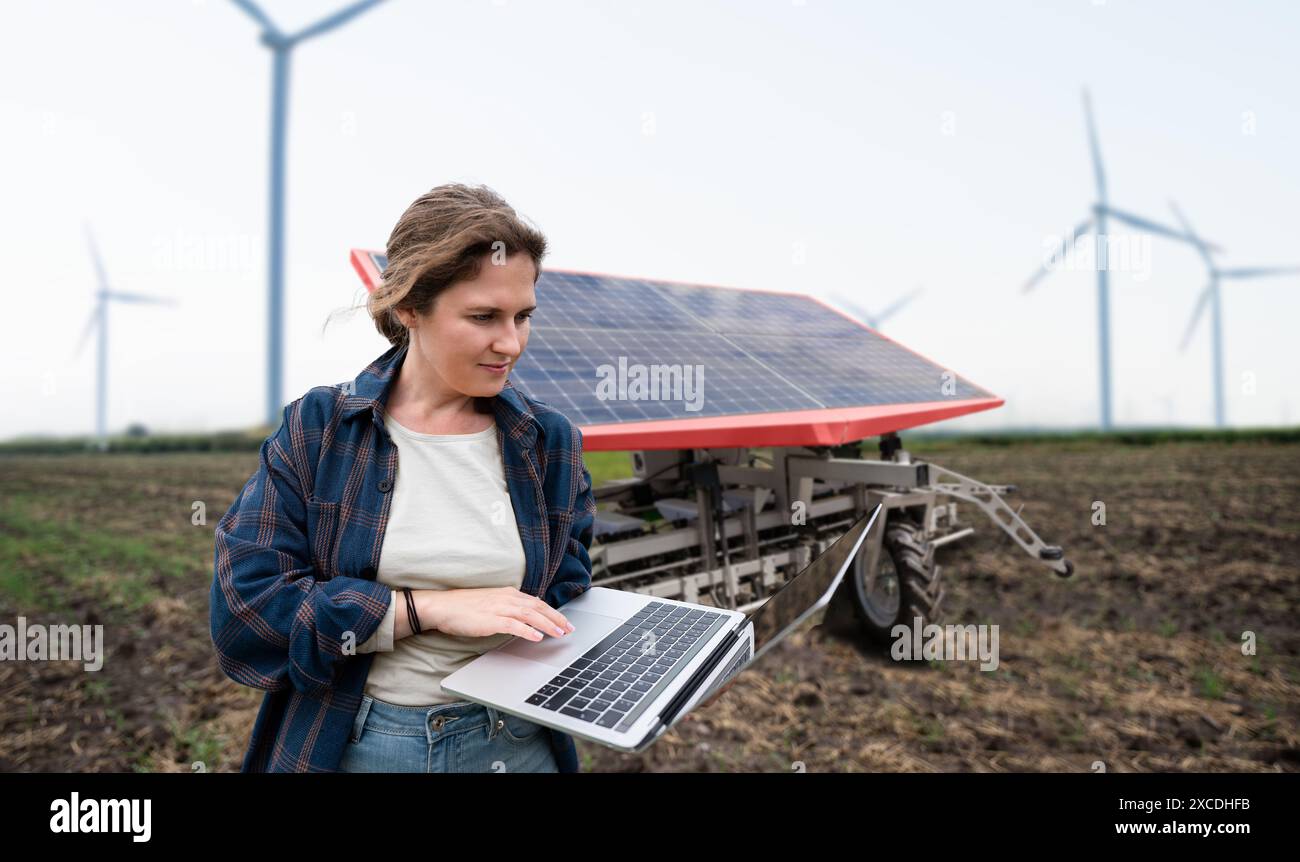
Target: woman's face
[475, 324]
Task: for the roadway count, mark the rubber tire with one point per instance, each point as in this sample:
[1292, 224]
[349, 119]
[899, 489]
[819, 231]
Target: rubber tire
[921, 588]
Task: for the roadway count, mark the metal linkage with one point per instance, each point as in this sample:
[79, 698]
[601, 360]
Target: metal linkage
[987, 498]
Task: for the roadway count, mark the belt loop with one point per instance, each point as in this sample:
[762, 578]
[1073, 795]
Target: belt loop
[359, 723]
[493, 718]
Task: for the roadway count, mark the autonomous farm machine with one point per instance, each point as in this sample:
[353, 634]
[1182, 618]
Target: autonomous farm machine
[745, 413]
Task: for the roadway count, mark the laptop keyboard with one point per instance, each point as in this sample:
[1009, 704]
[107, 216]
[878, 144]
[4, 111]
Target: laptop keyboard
[609, 680]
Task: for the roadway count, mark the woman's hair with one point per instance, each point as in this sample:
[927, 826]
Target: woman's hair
[441, 239]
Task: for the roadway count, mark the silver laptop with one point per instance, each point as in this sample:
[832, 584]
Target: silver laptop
[635, 665]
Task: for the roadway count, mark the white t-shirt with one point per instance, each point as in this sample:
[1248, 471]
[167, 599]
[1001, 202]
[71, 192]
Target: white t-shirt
[451, 525]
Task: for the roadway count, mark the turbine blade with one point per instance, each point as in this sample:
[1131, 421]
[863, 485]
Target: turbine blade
[1196, 315]
[123, 296]
[1187, 227]
[854, 310]
[896, 307]
[101, 277]
[85, 333]
[259, 16]
[1155, 227]
[1094, 146]
[1062, 250]
[336, 20]
[1258, 271]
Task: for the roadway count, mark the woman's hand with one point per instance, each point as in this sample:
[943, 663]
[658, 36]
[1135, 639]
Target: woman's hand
[483, 611]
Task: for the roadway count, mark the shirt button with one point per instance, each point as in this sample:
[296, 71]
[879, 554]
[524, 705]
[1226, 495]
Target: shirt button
[385, 486]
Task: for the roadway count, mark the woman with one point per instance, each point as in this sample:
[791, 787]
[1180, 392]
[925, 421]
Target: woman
[405, 523]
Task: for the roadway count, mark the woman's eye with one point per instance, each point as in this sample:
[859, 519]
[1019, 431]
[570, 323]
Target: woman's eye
[484, 318]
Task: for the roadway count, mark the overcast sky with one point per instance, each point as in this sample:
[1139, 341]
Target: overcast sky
[809, 146]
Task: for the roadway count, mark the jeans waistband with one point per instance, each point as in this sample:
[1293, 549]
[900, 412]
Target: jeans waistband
[434, 722]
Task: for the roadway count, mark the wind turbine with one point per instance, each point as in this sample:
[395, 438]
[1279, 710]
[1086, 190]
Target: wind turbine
[1096, 223]
[281, 44]
[1210, 296]
[875, 320]
[99, 320]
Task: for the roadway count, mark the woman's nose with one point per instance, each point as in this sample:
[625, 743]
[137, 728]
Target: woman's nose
[508, 344]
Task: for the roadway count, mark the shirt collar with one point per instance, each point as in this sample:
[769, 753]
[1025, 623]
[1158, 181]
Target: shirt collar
[373, 385]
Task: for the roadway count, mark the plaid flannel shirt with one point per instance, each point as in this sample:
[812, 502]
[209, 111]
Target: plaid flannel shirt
[297, 554]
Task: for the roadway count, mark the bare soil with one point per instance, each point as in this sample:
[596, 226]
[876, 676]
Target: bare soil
[1134, 664]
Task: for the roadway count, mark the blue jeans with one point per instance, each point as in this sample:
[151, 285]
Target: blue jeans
[448, 737]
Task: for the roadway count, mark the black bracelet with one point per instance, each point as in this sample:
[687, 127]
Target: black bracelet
[412, 617]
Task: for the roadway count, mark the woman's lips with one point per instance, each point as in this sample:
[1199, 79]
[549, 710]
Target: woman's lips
[496, 369]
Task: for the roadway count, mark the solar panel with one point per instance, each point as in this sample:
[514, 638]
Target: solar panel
[863, 368]
[735, 312]
[563, 370]
[726, 367]
[581, 301]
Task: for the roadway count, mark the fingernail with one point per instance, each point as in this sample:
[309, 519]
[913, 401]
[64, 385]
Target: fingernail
[559, 632]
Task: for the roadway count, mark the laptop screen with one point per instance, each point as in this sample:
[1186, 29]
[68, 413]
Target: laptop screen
[782, 613]
[809, 589]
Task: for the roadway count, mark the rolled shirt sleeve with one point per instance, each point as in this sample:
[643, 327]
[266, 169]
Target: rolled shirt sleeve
[382, 639]
[276, 621]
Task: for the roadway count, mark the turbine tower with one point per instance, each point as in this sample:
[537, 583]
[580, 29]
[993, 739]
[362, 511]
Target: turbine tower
[99, 321]
[281, 45]
[1210, 296]
[1096, 223]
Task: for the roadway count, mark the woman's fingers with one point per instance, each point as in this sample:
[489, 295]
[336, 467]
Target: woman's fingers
[541, 621]
[531, 618]
[514, 626]
[551, 613]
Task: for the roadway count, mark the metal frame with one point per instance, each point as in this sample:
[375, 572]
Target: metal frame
[765, 548]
